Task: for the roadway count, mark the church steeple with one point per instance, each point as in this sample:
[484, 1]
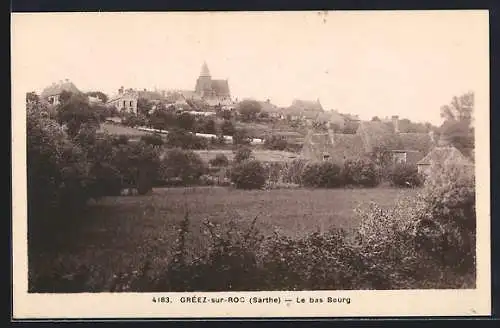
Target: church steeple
[204, 70]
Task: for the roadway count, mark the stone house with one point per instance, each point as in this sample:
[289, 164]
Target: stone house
[125, 100]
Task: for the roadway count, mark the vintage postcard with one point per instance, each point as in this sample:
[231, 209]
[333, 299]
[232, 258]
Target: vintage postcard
[250, 164]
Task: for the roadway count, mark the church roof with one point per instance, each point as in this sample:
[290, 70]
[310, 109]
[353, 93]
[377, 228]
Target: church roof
[204, 70]
[221, 87]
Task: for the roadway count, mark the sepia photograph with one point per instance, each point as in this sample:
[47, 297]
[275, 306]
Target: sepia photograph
[244, 163]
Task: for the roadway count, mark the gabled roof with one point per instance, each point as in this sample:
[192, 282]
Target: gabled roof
[338, 147]
[306, 105]
[445, 155]
[221, 87]
[58, 88]
[329, 116]
[126, 93]
[378, 134]
[416, 141]
[267, 106]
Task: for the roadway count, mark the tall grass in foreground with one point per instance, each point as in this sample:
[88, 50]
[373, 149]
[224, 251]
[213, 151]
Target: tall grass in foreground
[423, 242]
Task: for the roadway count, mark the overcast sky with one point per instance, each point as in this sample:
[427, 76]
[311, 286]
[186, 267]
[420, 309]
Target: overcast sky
[366, 63]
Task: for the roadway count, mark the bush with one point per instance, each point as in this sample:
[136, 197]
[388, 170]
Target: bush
[182, 164]
[292, 172]
[322, 175]
[178, 138]
[248, 175]
[275, 143]
[242, 153]
[360, 172]
[404, 175]
[424, 242]
[152, 139]
[219, 160]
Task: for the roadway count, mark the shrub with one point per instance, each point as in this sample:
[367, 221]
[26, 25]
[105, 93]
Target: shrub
[242, 153]
[227, 128]
[449, 195]
[248, 175]
[292, 172]
[219, 160]
[183, 164]
[423, 242]
[139, 164]
[404, 175]
[241, 137]
[322, 175]
[275, 143]
[152, 139]
[360, 172]
[178, 138]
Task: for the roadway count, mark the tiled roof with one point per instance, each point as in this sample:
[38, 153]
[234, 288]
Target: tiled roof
[221, 87]
[306, 105]
[338, 146]
[378, 134]
[447, 155]
[416, 141]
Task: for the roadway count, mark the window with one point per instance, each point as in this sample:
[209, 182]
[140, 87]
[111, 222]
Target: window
[131, 103]
[124, 103]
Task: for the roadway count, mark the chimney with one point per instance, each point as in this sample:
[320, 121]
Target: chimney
[395, 122]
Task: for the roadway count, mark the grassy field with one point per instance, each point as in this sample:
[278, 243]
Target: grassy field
[118, 233]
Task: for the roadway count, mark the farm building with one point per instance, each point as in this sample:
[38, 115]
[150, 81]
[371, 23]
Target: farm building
[444, 155]
[406, 148]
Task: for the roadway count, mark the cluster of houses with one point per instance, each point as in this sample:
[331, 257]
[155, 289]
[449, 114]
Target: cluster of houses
[421, 149]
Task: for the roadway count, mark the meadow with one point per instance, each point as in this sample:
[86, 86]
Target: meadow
[117, 234]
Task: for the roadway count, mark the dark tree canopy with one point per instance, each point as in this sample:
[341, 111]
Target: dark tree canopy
[249, 109]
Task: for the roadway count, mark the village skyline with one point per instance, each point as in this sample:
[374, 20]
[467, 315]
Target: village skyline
[330, 57]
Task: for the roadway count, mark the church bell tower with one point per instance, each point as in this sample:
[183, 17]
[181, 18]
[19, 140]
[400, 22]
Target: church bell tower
[204, 82]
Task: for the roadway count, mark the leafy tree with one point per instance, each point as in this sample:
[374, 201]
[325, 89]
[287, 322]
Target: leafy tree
[207, 125]
[219, 160]
[182, 164]
[144, 106]
[249, 109]
[243, 153]
[248, 175]
[74, 111]
[457, 126]
[227, 128]
[460, 108]
[275, 143]
[241, 137]
[98, 94]
[185, 121]
[138, 164]
[375, 119]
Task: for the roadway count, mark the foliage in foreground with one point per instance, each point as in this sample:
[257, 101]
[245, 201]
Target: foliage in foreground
[422, 243]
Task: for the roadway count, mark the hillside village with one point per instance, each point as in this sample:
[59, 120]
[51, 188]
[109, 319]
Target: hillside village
[259, 196]
[304, 129]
